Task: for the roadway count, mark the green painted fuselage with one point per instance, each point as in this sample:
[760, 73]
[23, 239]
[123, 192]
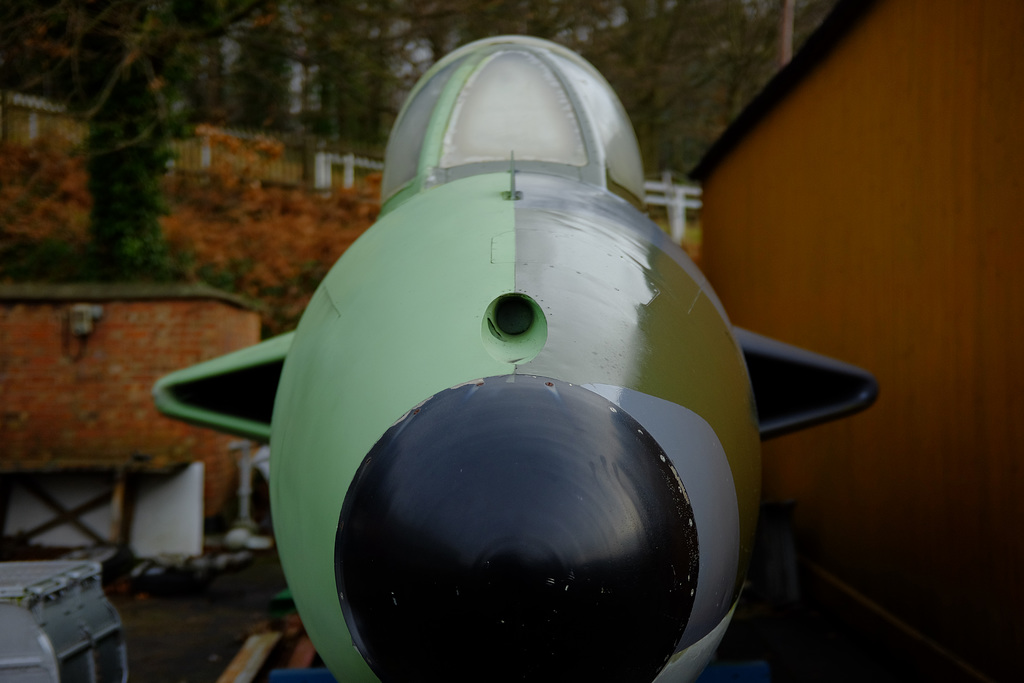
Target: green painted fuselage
[402, 316]
[561, 355]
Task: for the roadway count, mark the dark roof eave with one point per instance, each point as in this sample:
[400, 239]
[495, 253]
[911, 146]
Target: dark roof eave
[837, 24]
[118, 291]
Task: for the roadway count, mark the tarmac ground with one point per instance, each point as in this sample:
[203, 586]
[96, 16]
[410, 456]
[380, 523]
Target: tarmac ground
[192, 638]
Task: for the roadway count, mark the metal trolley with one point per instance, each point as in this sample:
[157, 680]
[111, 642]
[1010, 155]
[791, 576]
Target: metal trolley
[56, 624]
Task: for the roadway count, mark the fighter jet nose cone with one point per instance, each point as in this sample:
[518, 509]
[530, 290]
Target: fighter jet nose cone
[518, 528]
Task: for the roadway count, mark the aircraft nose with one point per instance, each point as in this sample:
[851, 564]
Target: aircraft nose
[516, 528]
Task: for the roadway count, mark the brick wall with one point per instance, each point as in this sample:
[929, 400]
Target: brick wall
[83, 402]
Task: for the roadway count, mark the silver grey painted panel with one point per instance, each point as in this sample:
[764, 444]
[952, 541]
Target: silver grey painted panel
[697, 454]
[588, 203]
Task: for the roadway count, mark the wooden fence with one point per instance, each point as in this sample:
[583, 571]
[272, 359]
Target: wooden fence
[303, 160]
[317, 163]
[24, 118]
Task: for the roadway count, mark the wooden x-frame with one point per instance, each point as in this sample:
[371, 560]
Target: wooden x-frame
[115, 498]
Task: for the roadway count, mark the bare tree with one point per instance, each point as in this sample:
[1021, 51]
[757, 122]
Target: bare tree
[340, 69]
[115, 62]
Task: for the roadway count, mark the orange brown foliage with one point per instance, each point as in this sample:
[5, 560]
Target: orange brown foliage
[271, 244]
[238, 158]
[268, 243]
[43, 198]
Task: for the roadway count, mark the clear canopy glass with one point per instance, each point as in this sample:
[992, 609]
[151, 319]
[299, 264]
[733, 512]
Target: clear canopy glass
[406, 142]
[513, 103]
[513, 95]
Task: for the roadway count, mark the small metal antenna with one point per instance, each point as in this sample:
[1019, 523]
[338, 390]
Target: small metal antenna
[512, 194]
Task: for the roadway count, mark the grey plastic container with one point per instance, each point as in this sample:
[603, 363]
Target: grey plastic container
[57, 625]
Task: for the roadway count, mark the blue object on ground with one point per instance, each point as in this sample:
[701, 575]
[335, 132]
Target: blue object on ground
[301, 676]
[737, 672]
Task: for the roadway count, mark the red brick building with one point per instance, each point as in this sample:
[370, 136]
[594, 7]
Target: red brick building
[77, 363]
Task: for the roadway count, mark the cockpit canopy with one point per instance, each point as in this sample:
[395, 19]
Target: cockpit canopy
[506, 96]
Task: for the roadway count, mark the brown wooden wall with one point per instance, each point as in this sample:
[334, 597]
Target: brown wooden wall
[877, 215]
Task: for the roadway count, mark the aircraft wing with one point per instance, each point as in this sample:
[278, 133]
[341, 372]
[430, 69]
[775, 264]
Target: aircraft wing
[795, 388]
[232, 393]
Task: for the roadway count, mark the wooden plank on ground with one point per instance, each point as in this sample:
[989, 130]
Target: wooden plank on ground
[303, 654]
[247, 663]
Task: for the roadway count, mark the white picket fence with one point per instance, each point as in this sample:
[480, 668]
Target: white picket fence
[676, 198]
[21, 117]
[299, 163]
[324, 167]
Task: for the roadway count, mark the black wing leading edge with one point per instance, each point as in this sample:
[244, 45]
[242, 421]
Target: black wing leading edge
[795, 388]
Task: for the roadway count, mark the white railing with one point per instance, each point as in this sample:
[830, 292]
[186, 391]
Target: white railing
[676, 198]
[38, 103]
[324, 166]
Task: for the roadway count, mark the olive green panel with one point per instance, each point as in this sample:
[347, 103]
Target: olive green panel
[399, 318]
[693, 361]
